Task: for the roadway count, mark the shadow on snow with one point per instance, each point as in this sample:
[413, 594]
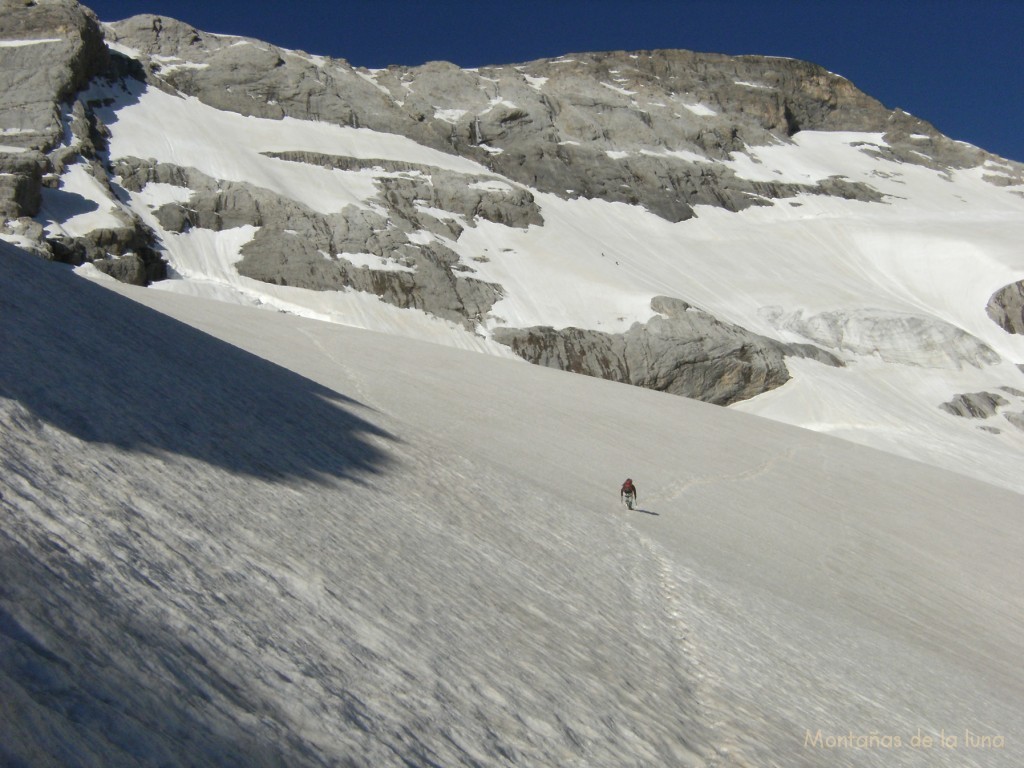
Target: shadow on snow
[108, 370]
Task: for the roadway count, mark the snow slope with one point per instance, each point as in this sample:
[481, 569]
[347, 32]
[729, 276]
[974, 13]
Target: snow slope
[240, 537]
[934, 251]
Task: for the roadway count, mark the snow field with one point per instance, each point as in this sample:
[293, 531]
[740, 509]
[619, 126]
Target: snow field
[403, 611]
[405, 552]
[597, 265]
[809, 554]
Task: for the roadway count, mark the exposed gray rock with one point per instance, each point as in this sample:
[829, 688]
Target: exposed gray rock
[125, 253]
[254, 78]
[1006, 307]
[471, 196]
[35, 77]
[134, 174]
[645, 128]
[895, 337]
[684, 351]
[41, 113]
[302, 248]
[1008, 174]
[975, 405]
[129, 269]
[21, 183]
[346, 163]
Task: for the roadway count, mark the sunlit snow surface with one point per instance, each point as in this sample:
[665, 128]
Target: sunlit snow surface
[938, 246]
[249, 538]
[241, 537]
[78, 206]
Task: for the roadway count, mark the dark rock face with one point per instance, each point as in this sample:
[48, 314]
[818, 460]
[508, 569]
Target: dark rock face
[60, 48]
[21, 183]
[1006, 307]
[682, 351]
[46, 127]
[125, 253]
[987, 405]
[975, 405]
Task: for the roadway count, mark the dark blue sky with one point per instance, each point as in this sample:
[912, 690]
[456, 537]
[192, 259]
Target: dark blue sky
[959, 65]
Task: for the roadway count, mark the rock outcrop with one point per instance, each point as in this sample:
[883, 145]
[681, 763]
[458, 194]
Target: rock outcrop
[682, 350]
[1006, 308]
[987, 405]
[55, 48]
[406, 186]
[646, 128]
[302, 248]
[975, 405]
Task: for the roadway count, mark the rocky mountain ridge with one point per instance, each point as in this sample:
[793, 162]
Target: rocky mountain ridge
[643, 128]
[663, 131]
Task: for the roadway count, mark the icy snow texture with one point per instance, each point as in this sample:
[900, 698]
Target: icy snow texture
[289, 542]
